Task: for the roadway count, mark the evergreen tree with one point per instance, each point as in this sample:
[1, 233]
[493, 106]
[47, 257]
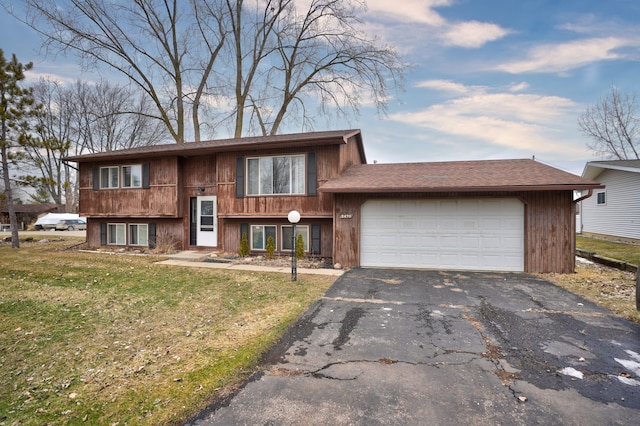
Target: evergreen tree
[16, 107]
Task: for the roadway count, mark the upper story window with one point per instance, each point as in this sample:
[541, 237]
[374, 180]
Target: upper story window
[129, 176]
[601, 198]
[283, 174]
[109, 177]
[132, 176]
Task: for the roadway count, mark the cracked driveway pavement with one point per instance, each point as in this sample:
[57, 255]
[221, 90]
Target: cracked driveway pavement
[428, 347]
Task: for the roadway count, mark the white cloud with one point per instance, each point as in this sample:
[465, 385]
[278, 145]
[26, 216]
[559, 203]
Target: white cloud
[472, 34]
[410, 10]
[518, 87]
[444, 85]
[562, 57]
[523, 122]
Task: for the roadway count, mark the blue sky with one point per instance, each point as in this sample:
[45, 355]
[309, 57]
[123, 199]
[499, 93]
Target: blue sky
[489, 79]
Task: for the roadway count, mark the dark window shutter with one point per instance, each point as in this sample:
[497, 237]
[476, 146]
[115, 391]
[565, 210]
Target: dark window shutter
[145, 176]
[312, 174]
[239, 177]
[244, 229]
[103, 234]
[315, 239]
[96, 178]
[152, 235]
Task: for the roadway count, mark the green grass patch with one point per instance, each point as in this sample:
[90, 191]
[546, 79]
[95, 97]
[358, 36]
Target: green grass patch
[90, 338]
[629, 253]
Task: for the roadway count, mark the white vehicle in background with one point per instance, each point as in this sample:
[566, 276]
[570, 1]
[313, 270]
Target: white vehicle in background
[50, 220]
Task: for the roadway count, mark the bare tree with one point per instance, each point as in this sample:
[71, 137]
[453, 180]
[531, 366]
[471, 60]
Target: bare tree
[152, 42]
[272, 59]
[612, 126]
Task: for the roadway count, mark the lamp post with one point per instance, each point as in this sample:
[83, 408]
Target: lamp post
[294, 217]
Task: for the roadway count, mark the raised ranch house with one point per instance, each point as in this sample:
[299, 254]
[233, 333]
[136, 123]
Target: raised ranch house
[507, 215]
[613, 212]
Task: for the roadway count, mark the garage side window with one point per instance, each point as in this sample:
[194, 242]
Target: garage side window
[300, 230]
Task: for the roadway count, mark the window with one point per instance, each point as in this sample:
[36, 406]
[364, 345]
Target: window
[260, 234]
[602, 199]
[116, 234]
[138, 234]
[300, 230]
[109, 177]
[132, 176]
[276, 175]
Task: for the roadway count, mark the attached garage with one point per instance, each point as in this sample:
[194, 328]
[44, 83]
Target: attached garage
[493, 215]
[461, 234]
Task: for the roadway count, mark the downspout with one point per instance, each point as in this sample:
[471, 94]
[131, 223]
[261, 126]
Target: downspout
[584, 197]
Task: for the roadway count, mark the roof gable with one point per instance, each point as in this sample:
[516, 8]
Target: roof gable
[457, 176]
[594, 168]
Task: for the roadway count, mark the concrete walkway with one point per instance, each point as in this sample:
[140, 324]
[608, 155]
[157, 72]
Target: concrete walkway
[195, 259]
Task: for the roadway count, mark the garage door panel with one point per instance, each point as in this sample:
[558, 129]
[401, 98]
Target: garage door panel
[456, 234]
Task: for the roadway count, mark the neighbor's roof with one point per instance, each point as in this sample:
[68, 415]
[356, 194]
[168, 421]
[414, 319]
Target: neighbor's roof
[222, 145]
[593, 168]
[457, 176]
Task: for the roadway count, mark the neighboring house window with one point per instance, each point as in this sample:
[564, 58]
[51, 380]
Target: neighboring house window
[109, 177]
[276, 175]
[138, 234]
[116, 234]
[260, 234]
[602, 198]
[300, 230]
[132, 176]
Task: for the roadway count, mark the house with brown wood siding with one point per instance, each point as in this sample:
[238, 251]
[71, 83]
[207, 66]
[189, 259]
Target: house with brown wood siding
[514, 215]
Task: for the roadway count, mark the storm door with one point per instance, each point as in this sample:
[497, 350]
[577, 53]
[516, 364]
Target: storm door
[207, 222]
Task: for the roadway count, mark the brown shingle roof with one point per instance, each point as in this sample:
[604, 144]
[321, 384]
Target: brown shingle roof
[467, 176]
[221, 145]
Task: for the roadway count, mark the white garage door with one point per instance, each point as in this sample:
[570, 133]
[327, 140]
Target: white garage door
[446, 234]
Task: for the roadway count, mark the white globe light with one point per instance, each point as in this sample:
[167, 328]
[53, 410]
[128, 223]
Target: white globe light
[294, 216]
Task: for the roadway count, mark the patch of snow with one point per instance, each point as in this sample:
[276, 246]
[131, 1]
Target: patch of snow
[628, 381]
[570, 371]
[583, 260]
[633, 366]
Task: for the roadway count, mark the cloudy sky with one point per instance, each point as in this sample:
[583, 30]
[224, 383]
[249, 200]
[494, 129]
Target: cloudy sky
[489, 78]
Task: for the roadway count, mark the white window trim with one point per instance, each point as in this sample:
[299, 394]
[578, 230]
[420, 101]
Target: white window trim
[138, 225]
[122, 180]
[304, 176]
[298, 227]
[117, 225]
[264, 236]
[109, 177]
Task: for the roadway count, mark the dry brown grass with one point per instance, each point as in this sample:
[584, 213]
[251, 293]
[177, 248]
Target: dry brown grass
[607, 287]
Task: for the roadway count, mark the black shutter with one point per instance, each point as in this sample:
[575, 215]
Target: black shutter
[103, 234]
[316, 241]
[239, 177]
[152, 235]
[96, 178]
[145, 176]
[244, 229]
[312, 174]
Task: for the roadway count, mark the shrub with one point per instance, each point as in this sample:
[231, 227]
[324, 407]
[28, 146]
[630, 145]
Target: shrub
[299, 247]
[244, 246]
[270, 248]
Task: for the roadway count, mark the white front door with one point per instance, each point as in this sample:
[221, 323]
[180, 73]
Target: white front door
[207, 227]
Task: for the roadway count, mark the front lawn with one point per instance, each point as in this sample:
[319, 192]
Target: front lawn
[115, 339]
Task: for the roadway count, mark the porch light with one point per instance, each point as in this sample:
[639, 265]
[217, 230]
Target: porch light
[294, 217]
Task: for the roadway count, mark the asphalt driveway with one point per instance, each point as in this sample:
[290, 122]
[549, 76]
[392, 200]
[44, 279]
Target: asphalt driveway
[393, 347]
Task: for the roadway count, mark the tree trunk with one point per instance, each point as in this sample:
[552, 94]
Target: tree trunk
[15, 242]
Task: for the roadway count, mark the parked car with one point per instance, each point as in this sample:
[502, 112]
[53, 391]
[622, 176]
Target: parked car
[71, 225]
